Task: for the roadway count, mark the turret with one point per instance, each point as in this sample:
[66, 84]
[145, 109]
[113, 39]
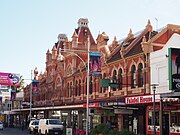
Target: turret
[54, 52]
[83, 22]
[74, 40]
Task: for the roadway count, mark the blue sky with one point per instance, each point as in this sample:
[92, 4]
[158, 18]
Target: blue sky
[28, 28]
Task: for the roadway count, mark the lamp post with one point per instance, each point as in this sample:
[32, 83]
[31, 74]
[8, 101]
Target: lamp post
[87, 75]
[30, 104]
[31, 87]
[154, 108]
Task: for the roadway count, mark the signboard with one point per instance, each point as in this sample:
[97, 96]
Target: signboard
[91, 105]
[106, 83]
[142, 99]
[95, 64]
[174, 69]
[68, 131]
[13, 94]
[35, 86]
[112, 103]
[123, 111]
[9, 79]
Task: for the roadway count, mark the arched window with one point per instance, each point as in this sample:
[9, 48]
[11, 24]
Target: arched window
[90, 85]
[120, 79]
[140, 75]
[133, 76]
[85, 91]
[71, 90]
[68, 90]
[114, 80]
[76, 89]
[79, 87]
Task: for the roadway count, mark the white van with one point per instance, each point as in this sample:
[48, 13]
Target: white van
[50, 126]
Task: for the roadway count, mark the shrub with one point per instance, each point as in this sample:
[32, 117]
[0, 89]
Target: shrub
[126, 132]
[101, 128]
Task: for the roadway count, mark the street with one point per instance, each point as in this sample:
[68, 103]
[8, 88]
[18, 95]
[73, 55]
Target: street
[13, 131]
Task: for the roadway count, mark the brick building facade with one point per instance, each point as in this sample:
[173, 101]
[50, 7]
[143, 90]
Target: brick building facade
[62, 87]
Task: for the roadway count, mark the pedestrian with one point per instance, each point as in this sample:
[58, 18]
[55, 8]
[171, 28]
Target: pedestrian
[22, 124]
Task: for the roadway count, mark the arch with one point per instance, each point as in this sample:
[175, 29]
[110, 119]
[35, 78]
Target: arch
[69, 69]
[121, 67]
[58, 82]
[140, 61]
[104, 76]
[132, 64]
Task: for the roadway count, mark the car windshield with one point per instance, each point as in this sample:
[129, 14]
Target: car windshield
[55, 122]
[36, 123]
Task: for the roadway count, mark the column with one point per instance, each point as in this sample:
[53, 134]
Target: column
[120, 122]
[80, 120]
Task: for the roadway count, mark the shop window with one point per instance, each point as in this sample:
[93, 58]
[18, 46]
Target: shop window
[133, 76]
[150, 118]
[140, 75]
[175, 119]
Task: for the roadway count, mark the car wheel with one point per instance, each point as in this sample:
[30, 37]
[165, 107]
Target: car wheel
[34, 132]
[39, 132]
[46, 133]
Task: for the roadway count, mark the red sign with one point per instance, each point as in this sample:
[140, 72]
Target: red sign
[142, 99]
[91, 105]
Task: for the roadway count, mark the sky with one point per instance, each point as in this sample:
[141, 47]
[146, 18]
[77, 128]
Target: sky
[28, 28]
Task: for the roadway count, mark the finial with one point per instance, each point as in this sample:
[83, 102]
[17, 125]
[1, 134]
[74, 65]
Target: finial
[149, 26]
[130, 35]
[144, 39]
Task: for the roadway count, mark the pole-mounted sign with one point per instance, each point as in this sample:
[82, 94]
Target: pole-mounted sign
[174, 69]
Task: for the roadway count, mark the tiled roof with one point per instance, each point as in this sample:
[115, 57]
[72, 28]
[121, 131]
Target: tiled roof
[83, 33]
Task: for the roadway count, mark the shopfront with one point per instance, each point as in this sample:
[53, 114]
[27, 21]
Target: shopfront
[170, 119]
[137, 122]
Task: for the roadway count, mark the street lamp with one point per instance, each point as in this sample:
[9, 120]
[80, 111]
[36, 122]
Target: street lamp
[154, 107]
[31, 87]
[30, 104]
[60, 57]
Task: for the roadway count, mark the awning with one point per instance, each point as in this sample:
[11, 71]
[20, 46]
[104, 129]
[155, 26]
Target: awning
[170, 95]
[50, 108]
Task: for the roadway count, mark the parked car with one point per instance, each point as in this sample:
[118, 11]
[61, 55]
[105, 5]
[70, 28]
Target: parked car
[33, 126]
[1, 126]
[50, 126]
